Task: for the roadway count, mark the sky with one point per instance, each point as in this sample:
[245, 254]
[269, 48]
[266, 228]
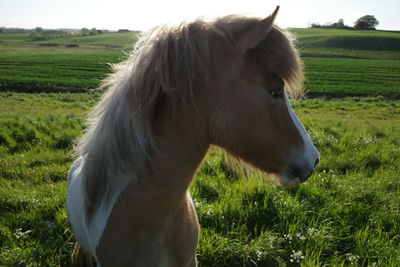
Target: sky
[145, 14]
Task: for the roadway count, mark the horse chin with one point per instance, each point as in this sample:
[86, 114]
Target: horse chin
[287, 181]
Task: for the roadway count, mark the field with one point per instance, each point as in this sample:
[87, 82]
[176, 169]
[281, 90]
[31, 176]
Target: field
[348, 43]
[32, 66]
[347, 214]
[337, 62]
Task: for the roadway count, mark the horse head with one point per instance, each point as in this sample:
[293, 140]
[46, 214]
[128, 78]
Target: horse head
[249, 112]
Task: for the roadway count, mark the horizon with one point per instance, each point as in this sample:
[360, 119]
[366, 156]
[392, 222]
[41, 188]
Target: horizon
[76, 30]
[123, 14]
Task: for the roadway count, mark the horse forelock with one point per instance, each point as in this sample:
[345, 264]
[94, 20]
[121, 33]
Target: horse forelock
[117, 144]
[278, 54]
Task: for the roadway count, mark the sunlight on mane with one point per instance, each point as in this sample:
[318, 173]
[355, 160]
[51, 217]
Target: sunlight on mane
[165, 61]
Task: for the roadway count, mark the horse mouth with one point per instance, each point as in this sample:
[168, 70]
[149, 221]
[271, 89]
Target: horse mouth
[300, 174]
[287, 181]
[295, 175]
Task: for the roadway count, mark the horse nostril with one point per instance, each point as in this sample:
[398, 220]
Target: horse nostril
[316, 162]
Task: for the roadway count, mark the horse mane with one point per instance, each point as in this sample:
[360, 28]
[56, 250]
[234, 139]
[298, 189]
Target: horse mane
[278, 55]
[118, 144]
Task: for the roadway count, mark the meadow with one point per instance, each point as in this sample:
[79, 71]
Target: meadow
[346, 214]
[338, 63]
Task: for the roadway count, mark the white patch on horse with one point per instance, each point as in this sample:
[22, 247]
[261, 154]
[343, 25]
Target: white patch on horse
[310, 152]
[87, 235]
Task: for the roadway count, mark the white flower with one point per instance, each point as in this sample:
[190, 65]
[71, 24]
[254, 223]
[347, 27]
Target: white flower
[296, 256]
[311, 231]
[21, 235]
[288, 237]
[300, 236]
[353, 259]
[259, 254]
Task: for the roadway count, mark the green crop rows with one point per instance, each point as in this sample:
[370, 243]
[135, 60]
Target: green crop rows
[335, 62]
[344, 76]
[53, 69]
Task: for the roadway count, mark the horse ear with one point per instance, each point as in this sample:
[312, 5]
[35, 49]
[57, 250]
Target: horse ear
[257, 32]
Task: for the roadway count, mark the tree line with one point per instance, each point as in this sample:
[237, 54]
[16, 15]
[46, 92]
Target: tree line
[367, 22]
[40, 34]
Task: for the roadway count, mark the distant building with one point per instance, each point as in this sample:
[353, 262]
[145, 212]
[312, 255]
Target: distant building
[123, 30]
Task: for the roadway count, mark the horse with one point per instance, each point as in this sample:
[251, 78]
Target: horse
[183, 89]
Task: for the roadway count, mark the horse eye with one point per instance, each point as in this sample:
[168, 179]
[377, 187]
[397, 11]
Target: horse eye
[276, 94]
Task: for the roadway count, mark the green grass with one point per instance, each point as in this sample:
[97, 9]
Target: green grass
[54, 69]
[317, 32]
[25, 66]
[106, 39]
[36, 136]
[348, 212]
[14, 37]
[338, 62]
[344, 76]
[317, 42]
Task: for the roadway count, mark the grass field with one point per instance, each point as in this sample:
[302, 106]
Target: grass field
[347, 214]
[338, 62]
[54, 69]
[28, 66]
[105, 40]
[345, 76]
[349, 43]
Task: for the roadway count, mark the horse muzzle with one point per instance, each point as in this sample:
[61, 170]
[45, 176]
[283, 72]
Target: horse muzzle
[298, 171]
[301, 170]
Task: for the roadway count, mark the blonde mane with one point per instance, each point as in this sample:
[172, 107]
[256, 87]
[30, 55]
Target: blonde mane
[118, 143]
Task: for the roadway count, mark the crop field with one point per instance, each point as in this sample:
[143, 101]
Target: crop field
[33, 69]
[345, 76]
[335, 62]
[348, 43]
[346, 214]
[50, 66]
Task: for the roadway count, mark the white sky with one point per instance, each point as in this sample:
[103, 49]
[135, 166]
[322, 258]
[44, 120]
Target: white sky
[144, 14]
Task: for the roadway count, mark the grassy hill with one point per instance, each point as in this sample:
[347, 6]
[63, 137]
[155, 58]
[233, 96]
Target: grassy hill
[106, 40]
[338, 62]
[349, 43]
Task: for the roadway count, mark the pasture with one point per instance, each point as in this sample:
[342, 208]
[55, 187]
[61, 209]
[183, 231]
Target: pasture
[347, 214]
[336, 62]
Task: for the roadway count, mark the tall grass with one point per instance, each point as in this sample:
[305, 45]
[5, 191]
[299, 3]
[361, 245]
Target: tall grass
[347, 214]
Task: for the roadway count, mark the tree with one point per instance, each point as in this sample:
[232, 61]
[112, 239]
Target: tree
[329, 25]
[367, 22]
[84, 31]
[340, 23]
[94, 31]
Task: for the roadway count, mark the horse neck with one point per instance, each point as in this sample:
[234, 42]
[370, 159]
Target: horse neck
[181, 140]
